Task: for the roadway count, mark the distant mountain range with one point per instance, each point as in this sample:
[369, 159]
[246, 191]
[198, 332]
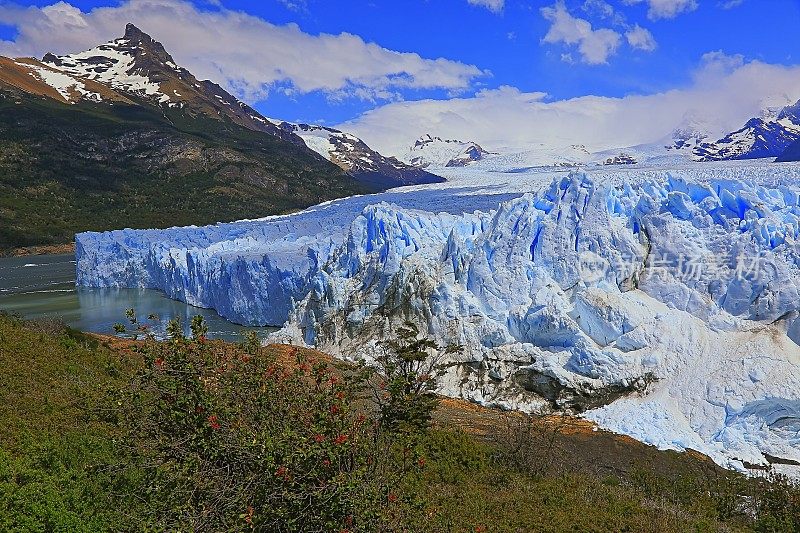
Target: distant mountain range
[767, 136]
[120, 135]
[773, 134]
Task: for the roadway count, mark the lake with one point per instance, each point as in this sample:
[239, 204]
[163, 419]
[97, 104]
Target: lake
[43, 286]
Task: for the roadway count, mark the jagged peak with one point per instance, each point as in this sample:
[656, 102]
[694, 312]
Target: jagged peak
[132, 32]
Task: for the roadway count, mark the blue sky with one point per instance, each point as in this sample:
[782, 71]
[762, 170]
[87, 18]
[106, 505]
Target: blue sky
[334, 61]
[509, 44]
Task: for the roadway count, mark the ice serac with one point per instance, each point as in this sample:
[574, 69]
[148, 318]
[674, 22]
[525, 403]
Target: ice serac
[664, 307]
[674, 297]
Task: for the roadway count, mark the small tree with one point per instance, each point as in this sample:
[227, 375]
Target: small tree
[407, 374]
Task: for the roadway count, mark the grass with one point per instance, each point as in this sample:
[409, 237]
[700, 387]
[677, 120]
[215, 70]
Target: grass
[60, 456]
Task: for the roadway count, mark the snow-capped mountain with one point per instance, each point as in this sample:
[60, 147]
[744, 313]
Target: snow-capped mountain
[431, 151]
[352, 155]
[138, 67]
[766, 136]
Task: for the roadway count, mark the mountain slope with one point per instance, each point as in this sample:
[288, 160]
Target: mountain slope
[792, 153]
[139, 66]
[352, 155]
[121, 136]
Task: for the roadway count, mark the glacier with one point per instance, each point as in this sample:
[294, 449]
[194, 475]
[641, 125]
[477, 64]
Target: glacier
[661, 303]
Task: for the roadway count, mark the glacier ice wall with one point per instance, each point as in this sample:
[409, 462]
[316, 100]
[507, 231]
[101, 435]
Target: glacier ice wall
[666, 308]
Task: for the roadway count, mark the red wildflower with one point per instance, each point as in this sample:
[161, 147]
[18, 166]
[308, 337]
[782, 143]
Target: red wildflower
[341, 439]
[246, 358]
[159, 362]
[248, 517]
[340, 395]
[326, 462]
[361, 419]
[304, 368]
[199, 409]
[392, 497]
[421, 462]
[283, 472]
[212, 421]
[334, 409]
[202, 339]
[319, 438]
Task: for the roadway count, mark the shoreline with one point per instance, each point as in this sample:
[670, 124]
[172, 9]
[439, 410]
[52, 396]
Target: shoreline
[44, 249]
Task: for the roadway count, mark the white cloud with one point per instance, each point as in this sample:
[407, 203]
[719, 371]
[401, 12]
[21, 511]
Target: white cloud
[641, 39]
[242, 52]
[491, 5]
[595, 46]
[605, 11]
[725, 92]
[292, 5]
[729, 4]
[599, 7]
[666, 9]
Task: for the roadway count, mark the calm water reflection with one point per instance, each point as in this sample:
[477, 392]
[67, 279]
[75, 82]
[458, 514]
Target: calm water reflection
[44, 286]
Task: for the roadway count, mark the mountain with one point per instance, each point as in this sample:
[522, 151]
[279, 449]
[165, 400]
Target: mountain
[139, 66]
[121, 136]
[766, 136]
[431, 151]
[352, 155]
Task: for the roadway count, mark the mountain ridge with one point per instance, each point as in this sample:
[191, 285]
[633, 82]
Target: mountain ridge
[78, 153]
[122, 136]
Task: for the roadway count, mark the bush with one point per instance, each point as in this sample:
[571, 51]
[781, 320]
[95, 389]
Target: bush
[235, 439]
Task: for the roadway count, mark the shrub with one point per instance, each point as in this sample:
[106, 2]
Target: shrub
[235, 439]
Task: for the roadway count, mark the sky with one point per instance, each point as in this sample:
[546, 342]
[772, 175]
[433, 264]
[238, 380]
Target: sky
[501, 72]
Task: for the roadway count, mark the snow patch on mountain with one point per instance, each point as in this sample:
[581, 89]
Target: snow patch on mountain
[768, 135]
[111, 63]
[70, 88]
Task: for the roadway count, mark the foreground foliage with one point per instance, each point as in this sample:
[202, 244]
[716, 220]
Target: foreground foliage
[201, 435]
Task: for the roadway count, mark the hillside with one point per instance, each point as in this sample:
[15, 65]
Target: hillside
[120, 136]
[65, 467]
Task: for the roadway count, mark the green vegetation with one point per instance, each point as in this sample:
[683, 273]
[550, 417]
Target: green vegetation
[201, 435]
[71, 168]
